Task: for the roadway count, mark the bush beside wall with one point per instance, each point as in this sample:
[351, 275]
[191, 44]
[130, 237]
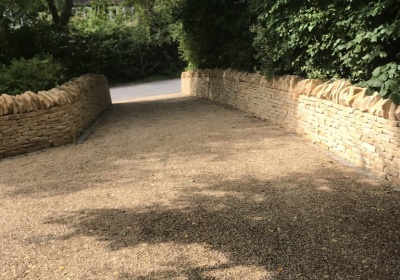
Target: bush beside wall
[30, 122]
[336, 115]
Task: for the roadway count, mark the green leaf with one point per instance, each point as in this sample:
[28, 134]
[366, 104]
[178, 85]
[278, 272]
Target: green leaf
[376, 71]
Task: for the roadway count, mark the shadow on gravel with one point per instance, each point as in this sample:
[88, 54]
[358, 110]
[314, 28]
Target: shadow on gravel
[82, 169]
[300, 225]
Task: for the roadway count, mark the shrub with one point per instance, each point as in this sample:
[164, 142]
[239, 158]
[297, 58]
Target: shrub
[121, 52]
[216, 33]
[123, 47]
[357, 40]
[38, 73]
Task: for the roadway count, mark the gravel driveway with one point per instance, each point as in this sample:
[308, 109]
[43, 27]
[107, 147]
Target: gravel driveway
[181, 188]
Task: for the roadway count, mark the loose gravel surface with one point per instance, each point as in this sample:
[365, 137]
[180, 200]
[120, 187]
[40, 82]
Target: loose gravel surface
[180, 188]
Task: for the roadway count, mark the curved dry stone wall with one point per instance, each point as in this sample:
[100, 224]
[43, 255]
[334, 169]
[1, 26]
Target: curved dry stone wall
[30, 121]
[336, 115]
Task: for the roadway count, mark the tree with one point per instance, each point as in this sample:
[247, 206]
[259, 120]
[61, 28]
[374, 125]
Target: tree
[215, 33]
[156, 14]
[60, 19]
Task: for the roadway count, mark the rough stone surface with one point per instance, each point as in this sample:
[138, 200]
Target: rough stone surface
[397, 113]
[59, 115]
[336, 115]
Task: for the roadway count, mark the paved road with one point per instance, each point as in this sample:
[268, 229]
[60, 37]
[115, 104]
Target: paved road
[130, 91]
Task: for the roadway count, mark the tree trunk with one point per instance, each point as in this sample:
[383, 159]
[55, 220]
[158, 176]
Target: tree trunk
[66, 13]
[61, 21]
[53, 11]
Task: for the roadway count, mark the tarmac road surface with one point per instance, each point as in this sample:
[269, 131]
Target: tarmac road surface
[130, 91]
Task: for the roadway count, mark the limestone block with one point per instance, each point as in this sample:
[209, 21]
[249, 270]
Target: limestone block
[343, 95]
[38, 101]
[397, 113]
[307, 86]
[368, 101]
[372, 110]
[392, 171]
[46, 100]
[294, 80]
[255, 79]
[55, 95]
[227, 74]
[240, 76]
[266, 82]
[72, 89]
[346, 95]
[355, 95]
[374, 99]
[29, 103]
[3, 106]
[10, 103]
[322, 91]
[20, 104]
[299, 89]
[391, 113]
[35, 102]
[276, 83]
[339, 88]
[78, 80]
[60, 97]
[217, 73]
[284, 83]
[381, 108]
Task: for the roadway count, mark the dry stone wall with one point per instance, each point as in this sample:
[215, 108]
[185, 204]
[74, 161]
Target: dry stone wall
[30, 121]
[336, 115]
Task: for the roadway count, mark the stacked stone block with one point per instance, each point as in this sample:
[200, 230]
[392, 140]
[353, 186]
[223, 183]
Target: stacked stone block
[30, 122]
[364, 129]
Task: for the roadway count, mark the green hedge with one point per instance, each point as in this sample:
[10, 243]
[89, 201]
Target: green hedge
[357, 40]
[123, 47]
[38, 73]
[215, 33]
[353, 39]
[121, 52]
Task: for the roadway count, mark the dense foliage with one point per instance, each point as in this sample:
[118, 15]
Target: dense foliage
[353, 39]
[215, 33]
[358, 40]
[122, 48]
[35, 74]
[115, 40]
